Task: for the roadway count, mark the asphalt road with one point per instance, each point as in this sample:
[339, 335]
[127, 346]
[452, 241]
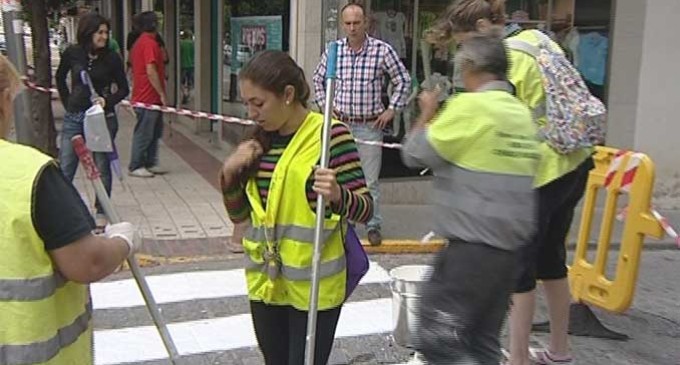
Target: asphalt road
[206, 305]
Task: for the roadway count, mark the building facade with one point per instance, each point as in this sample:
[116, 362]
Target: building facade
[622, 47]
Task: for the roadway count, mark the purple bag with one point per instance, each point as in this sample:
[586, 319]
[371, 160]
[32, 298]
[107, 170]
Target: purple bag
[357, 260]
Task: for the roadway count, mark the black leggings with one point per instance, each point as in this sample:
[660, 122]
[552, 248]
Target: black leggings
[281, 333]
[545, 257]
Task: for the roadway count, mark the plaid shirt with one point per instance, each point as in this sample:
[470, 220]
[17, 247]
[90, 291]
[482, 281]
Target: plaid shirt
[358, 87]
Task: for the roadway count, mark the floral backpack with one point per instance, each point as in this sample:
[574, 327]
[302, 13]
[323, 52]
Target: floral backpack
[575, 118]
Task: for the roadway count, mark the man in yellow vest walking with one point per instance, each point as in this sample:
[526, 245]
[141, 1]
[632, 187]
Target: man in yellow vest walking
[483, 151]
[49, 254]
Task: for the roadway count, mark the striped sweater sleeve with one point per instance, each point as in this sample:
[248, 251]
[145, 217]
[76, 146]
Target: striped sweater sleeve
[356, 204]
[235, 200]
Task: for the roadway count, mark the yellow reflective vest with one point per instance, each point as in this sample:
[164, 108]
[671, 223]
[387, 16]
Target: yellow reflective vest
[43, 318]
[280, 244]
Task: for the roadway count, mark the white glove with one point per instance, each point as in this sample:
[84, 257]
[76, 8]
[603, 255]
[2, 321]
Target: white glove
[126, 231]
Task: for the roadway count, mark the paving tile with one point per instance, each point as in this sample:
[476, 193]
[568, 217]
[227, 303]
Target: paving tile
[182, 207]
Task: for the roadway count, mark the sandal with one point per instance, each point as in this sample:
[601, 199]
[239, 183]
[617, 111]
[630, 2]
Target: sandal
[545, 357]
[234, 243]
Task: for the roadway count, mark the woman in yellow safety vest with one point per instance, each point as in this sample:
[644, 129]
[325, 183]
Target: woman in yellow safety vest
[49, 254]
[560, 181]
[272, 180]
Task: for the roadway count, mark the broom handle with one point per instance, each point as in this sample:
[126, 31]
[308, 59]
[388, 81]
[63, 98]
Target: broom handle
[331, 61]
[93, 175]
[85, 77]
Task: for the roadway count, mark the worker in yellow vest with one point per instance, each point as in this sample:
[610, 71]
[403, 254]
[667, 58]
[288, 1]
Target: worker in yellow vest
[272, 180]
[49, 254]
[560, 180]
[483, 151]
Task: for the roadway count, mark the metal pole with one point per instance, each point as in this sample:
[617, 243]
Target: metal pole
[92, 173]
[331, 61]
[414, 43]
[16, 52]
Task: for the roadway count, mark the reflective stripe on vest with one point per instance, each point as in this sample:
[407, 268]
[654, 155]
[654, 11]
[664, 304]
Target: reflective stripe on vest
[326, 269]
[282, 232]
[43, 351]
[278, 257]
[30, 289]
[44, 318]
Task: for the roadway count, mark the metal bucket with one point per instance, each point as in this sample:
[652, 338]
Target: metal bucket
[406, 284]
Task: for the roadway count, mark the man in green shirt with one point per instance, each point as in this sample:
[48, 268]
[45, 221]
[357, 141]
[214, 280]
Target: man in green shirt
[186, 60]
[113, 44]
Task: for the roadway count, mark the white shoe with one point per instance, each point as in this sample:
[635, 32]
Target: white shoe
[157, 170]
[417, 359]
[140, 172]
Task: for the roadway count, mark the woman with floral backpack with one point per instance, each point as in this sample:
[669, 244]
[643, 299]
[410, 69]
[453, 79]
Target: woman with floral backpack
[560, 180]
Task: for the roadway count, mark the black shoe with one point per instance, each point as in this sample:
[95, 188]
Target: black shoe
[374, 237]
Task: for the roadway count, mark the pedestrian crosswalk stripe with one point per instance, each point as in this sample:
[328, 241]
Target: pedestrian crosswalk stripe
[180, 287]
[136, 344]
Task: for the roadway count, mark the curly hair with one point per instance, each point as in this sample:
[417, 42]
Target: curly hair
[462, 16]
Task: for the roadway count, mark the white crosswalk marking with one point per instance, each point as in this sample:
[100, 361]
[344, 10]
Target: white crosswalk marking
[173, 288]
[220, 334]
[136, 344]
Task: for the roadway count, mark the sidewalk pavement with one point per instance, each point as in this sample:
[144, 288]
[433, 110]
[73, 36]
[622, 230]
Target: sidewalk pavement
[181, 214]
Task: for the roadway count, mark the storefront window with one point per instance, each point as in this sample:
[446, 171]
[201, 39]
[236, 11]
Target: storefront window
[581, 27]
[250, 26]
[187, 52]
[402, 24]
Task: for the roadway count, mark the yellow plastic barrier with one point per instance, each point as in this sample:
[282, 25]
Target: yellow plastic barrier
[587, 280]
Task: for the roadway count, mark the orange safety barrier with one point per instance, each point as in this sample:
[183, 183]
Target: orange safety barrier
[587, 280]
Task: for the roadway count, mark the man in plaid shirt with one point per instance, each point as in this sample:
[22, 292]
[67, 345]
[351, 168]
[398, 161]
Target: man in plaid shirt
[363, 62]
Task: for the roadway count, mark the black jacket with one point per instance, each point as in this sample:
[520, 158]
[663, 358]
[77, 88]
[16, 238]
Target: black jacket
[105, 71]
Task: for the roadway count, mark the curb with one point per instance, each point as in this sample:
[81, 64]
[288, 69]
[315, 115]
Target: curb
[433, 246]
[395, 247]
[403, 247]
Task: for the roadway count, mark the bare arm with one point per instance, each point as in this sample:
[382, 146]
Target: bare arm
[155, 80]
[90, 259]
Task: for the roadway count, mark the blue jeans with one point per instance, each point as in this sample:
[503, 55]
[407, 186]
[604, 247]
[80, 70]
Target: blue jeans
[68, 160]
[148, 132]
[371, 161]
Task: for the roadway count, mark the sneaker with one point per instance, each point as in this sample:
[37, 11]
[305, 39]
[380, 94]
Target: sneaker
[416, 359]
[157, 170]
[140, 172]
[545, 357]
[374, 236]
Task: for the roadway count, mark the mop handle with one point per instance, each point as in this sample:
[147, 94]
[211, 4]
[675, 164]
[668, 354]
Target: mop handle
[94, 176]
[331, 61]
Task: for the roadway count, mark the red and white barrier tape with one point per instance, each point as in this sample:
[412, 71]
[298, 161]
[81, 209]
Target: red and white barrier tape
[197, 114]
[396, 146]
[613, 167]
[629, 171]
[164, 109]
[627, 182]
